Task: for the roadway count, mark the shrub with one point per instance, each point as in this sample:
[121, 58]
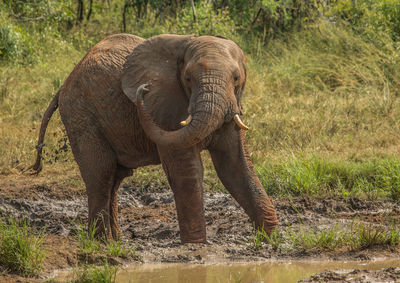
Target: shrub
[10, 43]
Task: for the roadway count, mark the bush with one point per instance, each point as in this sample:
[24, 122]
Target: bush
[374, 17]
[10, 43]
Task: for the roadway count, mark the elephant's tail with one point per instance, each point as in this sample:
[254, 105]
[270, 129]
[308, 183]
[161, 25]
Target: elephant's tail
[37, 166]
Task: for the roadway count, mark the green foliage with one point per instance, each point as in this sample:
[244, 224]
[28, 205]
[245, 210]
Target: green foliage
[92, 249]
[366, 236]
[316, 176]
[21, 248]
[346, 83]
[10, 43]
[260, 238]
[374, 17]
[118, 249]
[88, 244]
[42, 13]
[95, 274]
[325, 239]
[353, 237]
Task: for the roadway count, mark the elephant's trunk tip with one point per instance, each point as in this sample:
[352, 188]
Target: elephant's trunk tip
[239, 122]
[187, 121]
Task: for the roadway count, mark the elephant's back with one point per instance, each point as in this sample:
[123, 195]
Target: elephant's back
[101, 68]
[91, 100]
[102, 65]
[110, 54]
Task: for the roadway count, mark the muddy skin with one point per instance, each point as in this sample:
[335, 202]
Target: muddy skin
[148, 221]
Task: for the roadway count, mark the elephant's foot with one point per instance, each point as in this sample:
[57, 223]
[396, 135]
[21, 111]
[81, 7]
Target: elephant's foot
[267, 223]
[100, 230]
[115, 232]
[269, 229]
[198, 236]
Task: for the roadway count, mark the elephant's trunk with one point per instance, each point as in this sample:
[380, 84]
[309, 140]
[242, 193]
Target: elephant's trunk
[209, 110]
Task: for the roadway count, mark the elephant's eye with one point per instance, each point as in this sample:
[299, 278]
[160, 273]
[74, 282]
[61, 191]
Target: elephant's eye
[236, 78]
[187, 79]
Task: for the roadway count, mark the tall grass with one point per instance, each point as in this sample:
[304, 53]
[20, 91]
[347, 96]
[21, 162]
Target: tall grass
[353, 237]
[322, 103]
[371, 178]
[21, 248]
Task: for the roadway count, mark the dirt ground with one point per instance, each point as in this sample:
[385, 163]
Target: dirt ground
[148, 221]
[391, 274]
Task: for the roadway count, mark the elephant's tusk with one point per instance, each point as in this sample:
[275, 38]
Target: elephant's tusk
[239, 122]
[187, 121]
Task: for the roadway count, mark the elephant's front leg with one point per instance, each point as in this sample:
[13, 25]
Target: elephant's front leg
[184, 170]
[235, 169]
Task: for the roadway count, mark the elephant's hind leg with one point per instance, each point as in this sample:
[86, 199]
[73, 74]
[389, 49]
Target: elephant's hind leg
[98, 166]
[120, 174]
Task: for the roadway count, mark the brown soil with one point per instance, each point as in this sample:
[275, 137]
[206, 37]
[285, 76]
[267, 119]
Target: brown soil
[391, 274]
[148, 221]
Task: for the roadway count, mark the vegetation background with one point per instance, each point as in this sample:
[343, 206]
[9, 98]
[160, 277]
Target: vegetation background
[322, 97]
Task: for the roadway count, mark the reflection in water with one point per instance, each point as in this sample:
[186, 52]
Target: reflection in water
[290, 271]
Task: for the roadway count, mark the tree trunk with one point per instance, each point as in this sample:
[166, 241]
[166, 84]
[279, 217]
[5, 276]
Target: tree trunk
[194, 11]
[79, 12]
[126, 6]
[90, 10]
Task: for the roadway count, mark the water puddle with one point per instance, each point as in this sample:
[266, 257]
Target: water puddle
[290, 271]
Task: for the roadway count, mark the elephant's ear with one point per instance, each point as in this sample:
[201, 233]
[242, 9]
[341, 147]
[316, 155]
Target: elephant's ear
[156, 62]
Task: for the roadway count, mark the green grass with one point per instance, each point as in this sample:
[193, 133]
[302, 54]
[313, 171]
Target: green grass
[92, 249]
[320, 240]
[322, 104]
[95, 274]
[88, 244]
[21, 248]
[260, 238]
[356, 236]
[367, 236]
[118, 249]
[313, 176]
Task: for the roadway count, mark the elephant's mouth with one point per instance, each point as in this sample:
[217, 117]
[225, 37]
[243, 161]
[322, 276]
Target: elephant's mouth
[236, 118]
[210, 113]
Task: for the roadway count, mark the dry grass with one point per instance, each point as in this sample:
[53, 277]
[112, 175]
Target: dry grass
[324, 91]
[321, 94]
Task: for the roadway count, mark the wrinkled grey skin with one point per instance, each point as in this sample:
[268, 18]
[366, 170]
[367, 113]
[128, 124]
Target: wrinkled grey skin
[122, 106]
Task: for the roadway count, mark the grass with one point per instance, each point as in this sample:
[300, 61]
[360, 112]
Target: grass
[88, 244]
[95, 274]
[260, 237]
[21, 248]
[320, 240]
[117, 249]
[91, 248]
[367, 236]
[312, 176]
[356, 236]
[346, 144]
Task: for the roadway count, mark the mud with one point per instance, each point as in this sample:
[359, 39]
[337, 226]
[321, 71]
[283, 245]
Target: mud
[148, 221]
[391, 274]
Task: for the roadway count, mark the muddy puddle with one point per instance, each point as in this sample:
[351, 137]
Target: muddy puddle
[379, 270]
[149, 225]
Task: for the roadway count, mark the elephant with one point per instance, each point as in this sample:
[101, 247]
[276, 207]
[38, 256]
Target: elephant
[132, 102]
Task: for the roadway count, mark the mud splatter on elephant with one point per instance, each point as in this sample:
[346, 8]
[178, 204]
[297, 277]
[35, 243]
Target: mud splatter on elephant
[132, 102]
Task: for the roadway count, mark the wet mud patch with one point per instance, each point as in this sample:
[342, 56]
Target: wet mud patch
[148, 221]
[391, 274]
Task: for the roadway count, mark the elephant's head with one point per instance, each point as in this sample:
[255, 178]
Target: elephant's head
[195, 86]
